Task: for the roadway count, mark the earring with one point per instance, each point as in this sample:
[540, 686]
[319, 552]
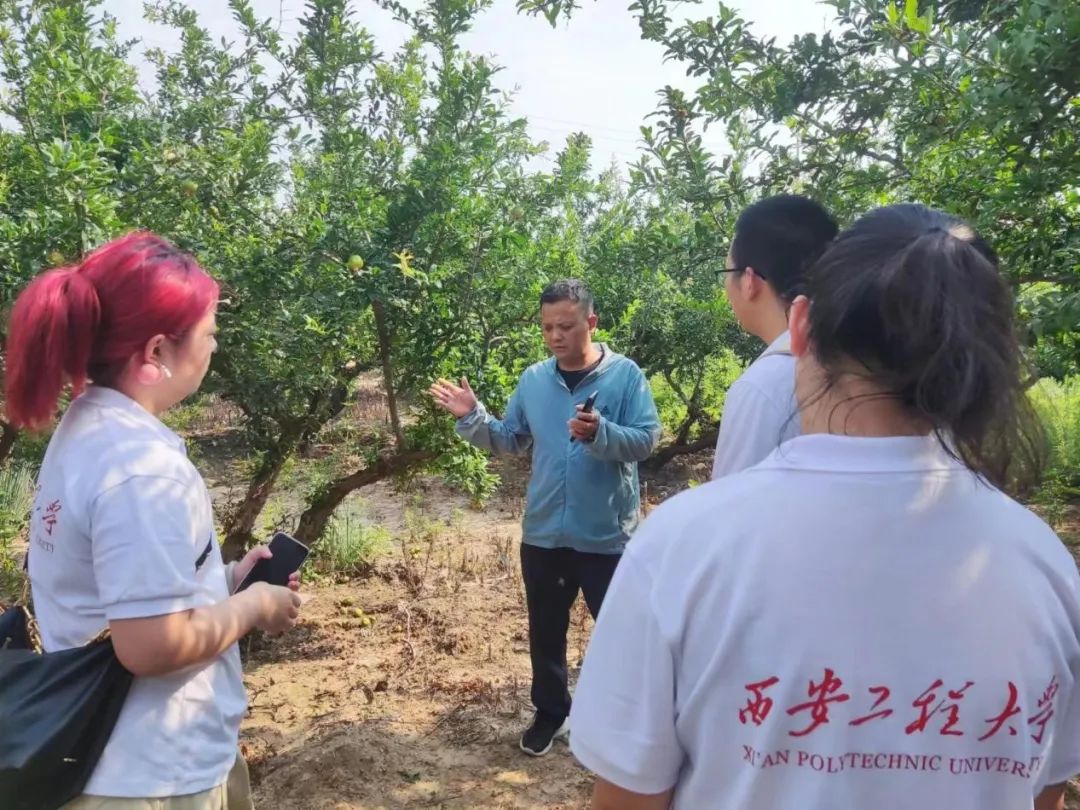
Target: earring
[152, 374]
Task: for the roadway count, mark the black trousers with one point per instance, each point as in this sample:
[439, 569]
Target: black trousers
[553, 577]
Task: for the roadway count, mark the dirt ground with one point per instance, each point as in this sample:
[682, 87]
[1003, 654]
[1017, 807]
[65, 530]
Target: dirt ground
[409, 687]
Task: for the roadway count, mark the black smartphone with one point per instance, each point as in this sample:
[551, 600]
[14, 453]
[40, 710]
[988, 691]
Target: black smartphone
[289, 554]
[588, 406]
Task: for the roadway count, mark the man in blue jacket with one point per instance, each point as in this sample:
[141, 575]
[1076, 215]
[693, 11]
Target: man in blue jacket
[583, 501]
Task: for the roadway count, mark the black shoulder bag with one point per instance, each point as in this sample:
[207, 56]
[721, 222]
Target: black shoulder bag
[57, 710]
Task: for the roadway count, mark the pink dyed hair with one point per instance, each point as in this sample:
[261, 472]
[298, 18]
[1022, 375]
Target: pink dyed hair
[87, 321]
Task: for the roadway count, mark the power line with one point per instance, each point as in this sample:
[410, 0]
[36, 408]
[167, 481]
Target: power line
[714, 146]
[581, 124]
[594, 135]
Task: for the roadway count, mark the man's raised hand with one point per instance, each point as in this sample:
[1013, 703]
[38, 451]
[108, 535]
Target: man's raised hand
[458, 400]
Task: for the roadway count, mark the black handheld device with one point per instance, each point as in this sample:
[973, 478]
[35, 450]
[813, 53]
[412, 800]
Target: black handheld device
[289, 554]
[588, 406]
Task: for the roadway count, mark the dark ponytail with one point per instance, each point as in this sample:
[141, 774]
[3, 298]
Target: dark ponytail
[915, 298]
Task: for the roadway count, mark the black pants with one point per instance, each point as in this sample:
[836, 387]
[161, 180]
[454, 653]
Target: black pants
[553, 577]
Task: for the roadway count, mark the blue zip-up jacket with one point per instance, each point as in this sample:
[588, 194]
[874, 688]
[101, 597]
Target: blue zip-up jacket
[582, 495]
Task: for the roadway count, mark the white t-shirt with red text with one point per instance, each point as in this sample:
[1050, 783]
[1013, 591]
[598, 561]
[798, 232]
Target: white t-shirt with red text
[120, 519]
[852, 623]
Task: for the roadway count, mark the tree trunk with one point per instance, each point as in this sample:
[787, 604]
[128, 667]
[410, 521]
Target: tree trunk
[335, 405]
[388, 370]
[683, 433]
[321, 409]
[313, 522]
[7, 441]
[693, 410]
[238, 536]
[667, 453]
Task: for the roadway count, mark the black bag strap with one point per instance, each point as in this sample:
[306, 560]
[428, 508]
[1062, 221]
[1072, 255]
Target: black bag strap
[24, 594]
[206, 553]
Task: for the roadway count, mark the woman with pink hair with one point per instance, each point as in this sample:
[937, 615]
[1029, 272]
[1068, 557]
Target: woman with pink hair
[122, 530]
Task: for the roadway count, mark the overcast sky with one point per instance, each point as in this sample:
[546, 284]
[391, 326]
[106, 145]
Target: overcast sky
[591, 74]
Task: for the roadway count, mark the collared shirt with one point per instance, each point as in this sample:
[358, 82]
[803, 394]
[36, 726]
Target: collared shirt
[853, 622]
[760, 411]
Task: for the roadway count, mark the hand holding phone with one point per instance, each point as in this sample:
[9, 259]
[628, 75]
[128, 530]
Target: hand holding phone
[288, 554]
[588, 406]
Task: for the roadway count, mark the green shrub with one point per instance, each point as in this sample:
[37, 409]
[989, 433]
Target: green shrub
[16, 500]
[349, 545]
[720, 373]
[29, 450]
[466, 468]
[274, 517]
[186, 417]
[1058, 406]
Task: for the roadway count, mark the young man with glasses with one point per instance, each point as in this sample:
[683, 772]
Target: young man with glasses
[776, 241]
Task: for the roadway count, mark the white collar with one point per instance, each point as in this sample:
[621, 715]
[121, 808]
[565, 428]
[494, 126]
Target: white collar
[782, 345]
[832, 453]
[103, 397]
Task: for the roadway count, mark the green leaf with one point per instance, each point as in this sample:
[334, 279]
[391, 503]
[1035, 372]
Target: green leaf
[911, 13]
[892, 14]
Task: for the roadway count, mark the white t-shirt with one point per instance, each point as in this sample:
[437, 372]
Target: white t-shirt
[852, 623]
[760, 411]
[118, 522]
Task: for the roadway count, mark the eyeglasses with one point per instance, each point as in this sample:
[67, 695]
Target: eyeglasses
[742, 270]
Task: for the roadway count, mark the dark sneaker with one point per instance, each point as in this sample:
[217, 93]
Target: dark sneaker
[538, 738]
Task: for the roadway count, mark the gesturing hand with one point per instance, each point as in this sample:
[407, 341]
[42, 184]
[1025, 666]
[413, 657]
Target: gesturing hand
[459, 401]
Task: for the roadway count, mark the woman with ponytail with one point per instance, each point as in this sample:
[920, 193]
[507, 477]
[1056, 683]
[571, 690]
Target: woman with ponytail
[864, 619]
[122, 529]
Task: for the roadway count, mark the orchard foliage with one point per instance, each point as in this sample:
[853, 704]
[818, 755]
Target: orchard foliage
[380, 215]
[368, 214]
[972, 106]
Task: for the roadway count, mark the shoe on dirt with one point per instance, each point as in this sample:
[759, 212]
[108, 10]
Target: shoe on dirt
[539, 737]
